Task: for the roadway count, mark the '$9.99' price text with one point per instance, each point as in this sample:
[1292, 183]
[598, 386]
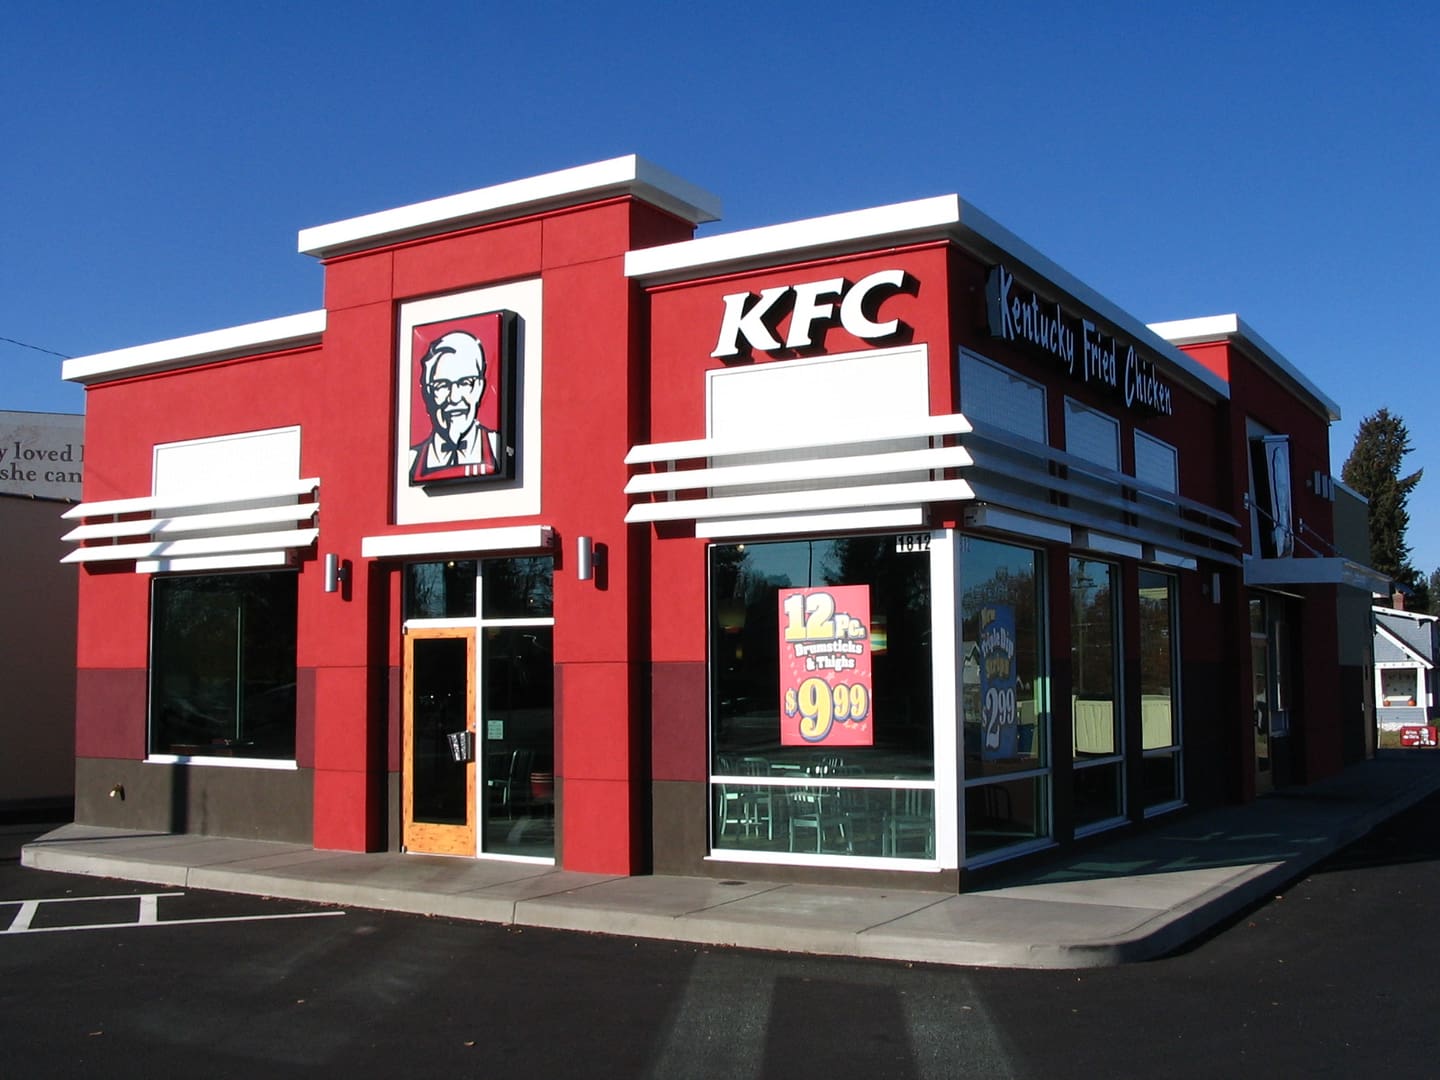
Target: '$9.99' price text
[821, 706]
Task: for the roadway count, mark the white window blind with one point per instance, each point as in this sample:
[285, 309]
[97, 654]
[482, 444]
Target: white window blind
[1156, 463]
[997, 396]
[1092, 435]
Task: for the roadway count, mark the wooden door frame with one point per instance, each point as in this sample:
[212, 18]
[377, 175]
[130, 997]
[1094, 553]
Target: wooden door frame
[423, 836]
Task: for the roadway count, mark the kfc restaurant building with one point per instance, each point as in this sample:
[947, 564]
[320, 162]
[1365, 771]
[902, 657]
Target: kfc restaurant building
[868, 548]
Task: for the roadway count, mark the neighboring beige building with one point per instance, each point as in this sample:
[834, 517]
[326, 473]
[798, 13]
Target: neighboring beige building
[1354, 622]
[40, 463]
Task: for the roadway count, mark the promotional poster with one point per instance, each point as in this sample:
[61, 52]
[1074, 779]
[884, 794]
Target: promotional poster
[825, 667]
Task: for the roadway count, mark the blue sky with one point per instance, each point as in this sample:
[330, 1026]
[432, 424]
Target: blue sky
[159, 158]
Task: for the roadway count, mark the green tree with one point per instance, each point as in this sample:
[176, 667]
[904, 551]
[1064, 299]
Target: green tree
[1373, 469]
[1421, 599]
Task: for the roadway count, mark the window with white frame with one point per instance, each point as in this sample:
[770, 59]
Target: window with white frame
[1006, 713]
[814, 757]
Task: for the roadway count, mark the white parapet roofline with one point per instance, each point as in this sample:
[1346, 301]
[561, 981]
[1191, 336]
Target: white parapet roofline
[289, 331]
[1233, 328]
[941, 217]
[628, 175]
[769, 243]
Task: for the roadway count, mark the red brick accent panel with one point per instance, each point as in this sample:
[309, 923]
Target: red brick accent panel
[110, 712]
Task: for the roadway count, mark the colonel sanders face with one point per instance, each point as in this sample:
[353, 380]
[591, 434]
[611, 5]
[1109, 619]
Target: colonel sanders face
[453, 380]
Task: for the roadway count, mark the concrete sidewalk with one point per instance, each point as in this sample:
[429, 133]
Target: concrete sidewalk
[1137, 898]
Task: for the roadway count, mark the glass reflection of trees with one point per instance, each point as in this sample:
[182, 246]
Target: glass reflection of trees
[440, 590]
[1092, 628]
[519, 588]
[514, 588]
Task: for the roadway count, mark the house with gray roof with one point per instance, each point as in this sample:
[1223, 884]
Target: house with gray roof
[1405, 653]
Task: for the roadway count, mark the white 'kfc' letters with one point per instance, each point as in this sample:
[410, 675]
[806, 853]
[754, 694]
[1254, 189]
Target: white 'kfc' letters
[814, 301]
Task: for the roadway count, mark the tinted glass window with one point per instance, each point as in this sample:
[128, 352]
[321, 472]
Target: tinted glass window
[521, 588]
[440, 590]
[222, 665]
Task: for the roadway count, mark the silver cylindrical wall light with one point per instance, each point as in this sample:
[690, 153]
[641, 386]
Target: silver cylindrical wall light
[332, 572]
[584, 558]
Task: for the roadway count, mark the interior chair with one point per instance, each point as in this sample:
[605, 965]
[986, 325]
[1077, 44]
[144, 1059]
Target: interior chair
[511, 788]
[910, 824]
[819, 811]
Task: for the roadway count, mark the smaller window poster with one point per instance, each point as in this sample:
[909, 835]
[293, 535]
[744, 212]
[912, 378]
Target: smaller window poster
[999, 714]
[825, 677]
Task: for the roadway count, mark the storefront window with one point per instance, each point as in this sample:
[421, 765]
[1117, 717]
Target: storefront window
[222, 666]
[822, 736]
[1005, 711]
[1159, 702]
[1098, 745]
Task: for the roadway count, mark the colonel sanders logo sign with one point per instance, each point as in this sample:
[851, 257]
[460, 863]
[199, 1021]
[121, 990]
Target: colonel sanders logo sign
[460, 415]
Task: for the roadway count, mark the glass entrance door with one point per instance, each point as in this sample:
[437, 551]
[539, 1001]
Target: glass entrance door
[479, 738]
[1260, 696]
[438, 743]
[1260, 671]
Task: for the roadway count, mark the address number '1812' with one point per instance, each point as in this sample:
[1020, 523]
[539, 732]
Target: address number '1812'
[912, 543]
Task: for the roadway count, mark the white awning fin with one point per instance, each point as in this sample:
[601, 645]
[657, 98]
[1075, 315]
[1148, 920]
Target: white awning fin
[257, 527]
[708, 481]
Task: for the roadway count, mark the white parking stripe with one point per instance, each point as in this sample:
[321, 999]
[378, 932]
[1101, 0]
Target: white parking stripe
[23, 917]
[87, 899]
[147, 914]
[177, 922]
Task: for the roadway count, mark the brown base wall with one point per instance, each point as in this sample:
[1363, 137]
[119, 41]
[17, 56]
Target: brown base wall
[252, 804]
[394, 826]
